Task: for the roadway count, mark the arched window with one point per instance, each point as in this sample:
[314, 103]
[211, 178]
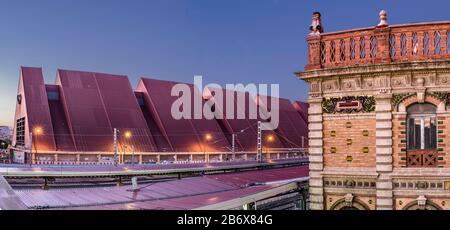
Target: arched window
[422, 133]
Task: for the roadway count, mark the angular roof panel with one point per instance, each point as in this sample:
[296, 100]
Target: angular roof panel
[37, 108]
[183, 134]
[96, 104]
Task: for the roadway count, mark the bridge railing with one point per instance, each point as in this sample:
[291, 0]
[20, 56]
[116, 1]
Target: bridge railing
[379, 45]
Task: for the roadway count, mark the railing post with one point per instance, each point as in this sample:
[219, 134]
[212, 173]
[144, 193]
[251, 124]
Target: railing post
[444, 45]
[382, 35]
[313, 52]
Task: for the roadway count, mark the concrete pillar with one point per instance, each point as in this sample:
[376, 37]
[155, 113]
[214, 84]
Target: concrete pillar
[99, 158]
[140, 159]
[56, 158]
[384, 151]
[315, 154]
[78, 158]
[175, 157]
[158, 158]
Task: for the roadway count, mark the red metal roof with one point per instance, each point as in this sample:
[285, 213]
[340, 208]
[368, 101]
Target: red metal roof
[184, 134]
[96, 104]
[36, 110]
[302, 108]
[88, 106]
[187, 193]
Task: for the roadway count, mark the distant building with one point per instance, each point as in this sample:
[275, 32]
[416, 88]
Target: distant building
[5, 133]
[74, 121]
[379, 116]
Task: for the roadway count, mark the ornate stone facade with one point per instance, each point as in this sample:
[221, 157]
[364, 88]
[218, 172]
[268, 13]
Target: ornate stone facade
[363, 86]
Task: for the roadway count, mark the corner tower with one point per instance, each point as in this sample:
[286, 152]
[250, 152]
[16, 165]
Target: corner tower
[379, 116]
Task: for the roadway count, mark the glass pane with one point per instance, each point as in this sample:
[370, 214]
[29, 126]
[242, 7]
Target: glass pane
[427, 130]
[411, 133]
[417, 133]
[433, 134]
[422, 108]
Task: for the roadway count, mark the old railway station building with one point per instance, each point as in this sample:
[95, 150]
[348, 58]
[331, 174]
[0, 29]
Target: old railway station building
[379, 116]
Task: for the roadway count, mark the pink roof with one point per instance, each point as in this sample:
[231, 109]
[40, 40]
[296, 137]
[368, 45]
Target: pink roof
[61, 129]
[186, 193]
[81, 110]
[96, 104]
[302, 108]
[292, 126]
[183, 134]
[37, 108]
[292, 129]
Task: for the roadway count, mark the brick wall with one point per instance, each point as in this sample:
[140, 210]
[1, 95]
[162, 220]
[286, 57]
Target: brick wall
[348, 147]
[399, 140]
[444, 142]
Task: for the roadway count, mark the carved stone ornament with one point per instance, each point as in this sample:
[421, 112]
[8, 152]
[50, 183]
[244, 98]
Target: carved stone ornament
[383, 19]
[349, 199]
[421, 202]
[442, 96]
[398, 98]
[349, 104]
[316, 24]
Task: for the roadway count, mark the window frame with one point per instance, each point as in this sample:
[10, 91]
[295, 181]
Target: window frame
[422, 117]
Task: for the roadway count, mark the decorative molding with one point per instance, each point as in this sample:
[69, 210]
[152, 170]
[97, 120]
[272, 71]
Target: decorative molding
[349, 183]
[349, 104]
[442, 96]
[399, 97]
[419, 184]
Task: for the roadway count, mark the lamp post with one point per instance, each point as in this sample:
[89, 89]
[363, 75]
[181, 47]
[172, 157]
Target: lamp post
[208, 137]
[36, 131]
[270, 138]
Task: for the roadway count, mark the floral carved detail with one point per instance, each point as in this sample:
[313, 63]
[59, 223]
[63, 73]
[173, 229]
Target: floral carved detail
[398, 98]
[349, 104]
[442, 96]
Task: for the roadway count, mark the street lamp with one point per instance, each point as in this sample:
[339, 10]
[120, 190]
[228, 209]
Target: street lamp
[270, 138]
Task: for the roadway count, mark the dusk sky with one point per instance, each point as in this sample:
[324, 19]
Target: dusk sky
[226, 41]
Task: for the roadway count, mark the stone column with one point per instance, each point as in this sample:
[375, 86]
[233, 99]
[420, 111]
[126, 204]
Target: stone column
[384, 151]
[315, 154]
